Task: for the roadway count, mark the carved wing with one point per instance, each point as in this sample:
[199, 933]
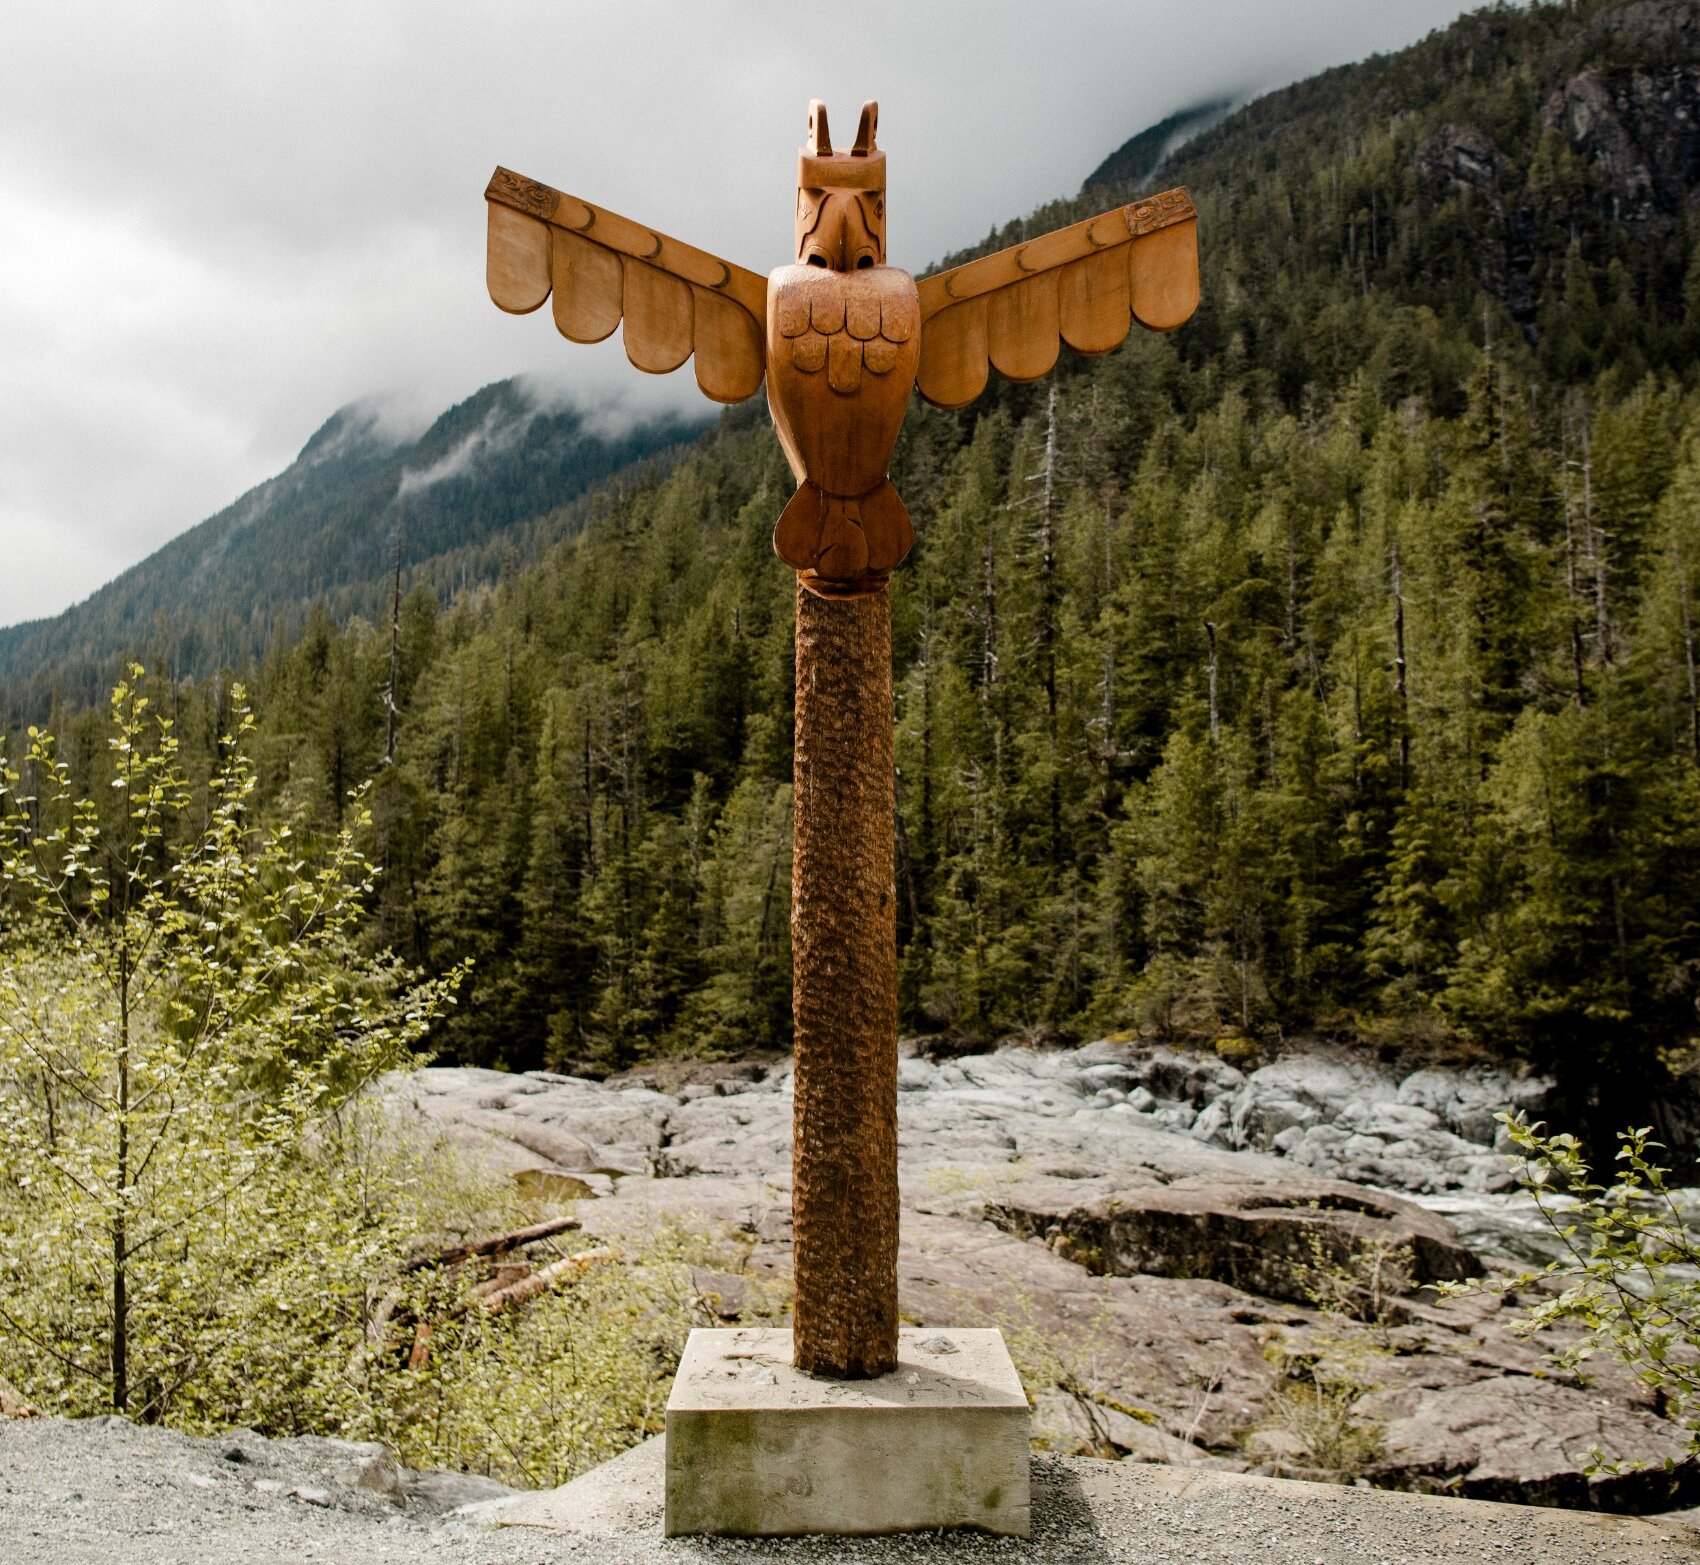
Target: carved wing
[1080, 285]
[603, 269]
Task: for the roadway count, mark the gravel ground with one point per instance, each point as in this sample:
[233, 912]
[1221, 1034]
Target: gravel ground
[103, 1490]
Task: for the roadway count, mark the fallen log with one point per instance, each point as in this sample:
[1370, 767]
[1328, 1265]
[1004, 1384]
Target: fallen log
[541, 1281]
[490, 1300]
[505, 1274]
[491, 1244]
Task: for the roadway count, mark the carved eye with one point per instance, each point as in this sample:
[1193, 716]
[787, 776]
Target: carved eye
[817, 259]
[865, 262]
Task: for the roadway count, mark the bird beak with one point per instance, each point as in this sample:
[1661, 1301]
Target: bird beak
[841, 240]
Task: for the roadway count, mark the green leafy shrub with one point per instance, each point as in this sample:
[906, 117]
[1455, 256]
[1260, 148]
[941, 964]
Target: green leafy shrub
[533, 1395]
[1628, 1283]
[185, 1028]
[1316, 1405]
[1358, 1284]
[207, 1210]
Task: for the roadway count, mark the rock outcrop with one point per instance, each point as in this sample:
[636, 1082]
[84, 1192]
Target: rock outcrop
[1515, 1436]
[1618, 149]
[1262, 1237]
[1146, 1225]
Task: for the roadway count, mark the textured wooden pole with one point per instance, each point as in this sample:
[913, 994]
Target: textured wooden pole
[844, 991]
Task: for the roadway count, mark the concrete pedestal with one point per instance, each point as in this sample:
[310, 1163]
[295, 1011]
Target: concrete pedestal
[755, 1446]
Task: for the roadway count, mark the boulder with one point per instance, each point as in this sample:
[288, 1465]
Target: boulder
[560, 1147]
[1264, 1238]
[438, 1491]
[720, 1135]
[361, 1476]
[539, 1121]
[1529, 1438]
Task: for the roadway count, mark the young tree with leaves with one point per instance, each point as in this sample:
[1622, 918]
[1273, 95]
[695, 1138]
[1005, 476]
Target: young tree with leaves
[183, 1013]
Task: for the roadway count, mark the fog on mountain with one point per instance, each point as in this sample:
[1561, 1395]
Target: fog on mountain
[1345, 683]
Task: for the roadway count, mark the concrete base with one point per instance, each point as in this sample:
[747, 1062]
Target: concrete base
[756, 1447]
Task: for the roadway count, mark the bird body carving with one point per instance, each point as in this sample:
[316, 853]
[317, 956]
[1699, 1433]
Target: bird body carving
[842, 352]
[841, 338]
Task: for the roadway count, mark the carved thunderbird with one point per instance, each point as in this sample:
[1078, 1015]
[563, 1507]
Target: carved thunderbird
[841, 337]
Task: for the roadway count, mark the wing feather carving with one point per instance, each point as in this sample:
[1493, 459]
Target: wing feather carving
[588, 286]
[604, 270]
[953, 355]
[660, 325]
[517, 262]
[1021, 327]
[1083, 285]
[1093, 301]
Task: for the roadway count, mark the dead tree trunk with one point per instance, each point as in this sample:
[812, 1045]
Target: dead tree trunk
[844, 991]
[1047, 628]
[1688, 652]
[390, 709]
[1399, 670]
[1215, 724]
[1594, 538]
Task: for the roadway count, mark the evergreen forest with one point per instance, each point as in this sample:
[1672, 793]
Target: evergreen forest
[1329, 666]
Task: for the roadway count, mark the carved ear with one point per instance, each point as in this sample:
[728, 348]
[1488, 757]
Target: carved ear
[865, 130]
[820, 140]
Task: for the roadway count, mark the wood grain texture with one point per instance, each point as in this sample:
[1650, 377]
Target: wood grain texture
[674, 299]
[842, 420]
[1057, 248]
[1094, 302]
[1021, 327]
[885, 523]
[516, 260]
[1083, 285]
[589, 287]
[659, 318]
[729, 358]
[844, 986]
[1164, 276]
[628, 238]
[953, 355]
[842, 351]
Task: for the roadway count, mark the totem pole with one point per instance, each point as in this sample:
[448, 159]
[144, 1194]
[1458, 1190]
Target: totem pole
[842, 339]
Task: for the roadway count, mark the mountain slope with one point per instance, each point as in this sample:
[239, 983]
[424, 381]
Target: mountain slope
[1139, 158]
[324, 529]
[1328, 665]
[1544, 156]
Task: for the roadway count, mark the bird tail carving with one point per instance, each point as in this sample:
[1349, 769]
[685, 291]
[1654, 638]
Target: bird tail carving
[843, 544]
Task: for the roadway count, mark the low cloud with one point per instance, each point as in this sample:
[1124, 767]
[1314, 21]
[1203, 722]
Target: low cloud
[632, 400]
[495, 434]
[218, 224]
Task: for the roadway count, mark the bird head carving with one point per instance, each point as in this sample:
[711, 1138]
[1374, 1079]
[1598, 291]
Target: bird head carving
[841, 196]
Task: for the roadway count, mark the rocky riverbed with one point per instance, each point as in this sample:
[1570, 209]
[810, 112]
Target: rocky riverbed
[1175, 1247]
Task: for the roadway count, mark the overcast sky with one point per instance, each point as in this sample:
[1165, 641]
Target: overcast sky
[220, 222]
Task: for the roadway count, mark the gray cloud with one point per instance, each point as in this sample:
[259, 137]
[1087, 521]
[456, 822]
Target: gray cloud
[495, 433]
[219, 223]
